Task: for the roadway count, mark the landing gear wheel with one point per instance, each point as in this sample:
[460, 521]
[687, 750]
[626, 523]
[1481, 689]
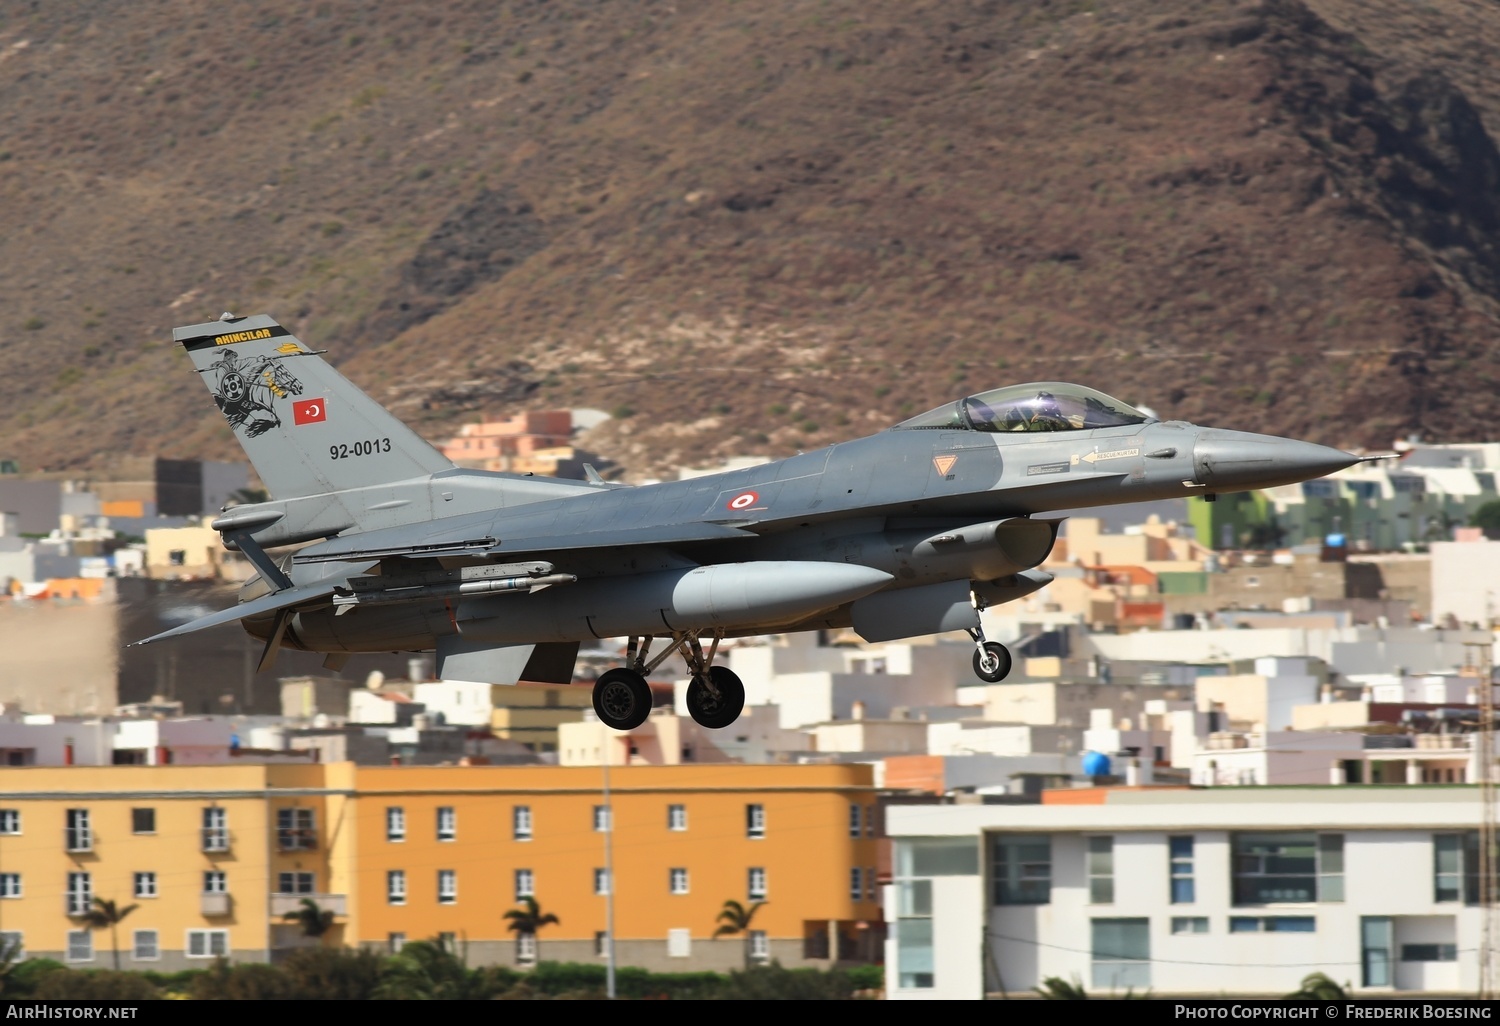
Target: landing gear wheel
[718, 711]
[622, 699]
[992, 662]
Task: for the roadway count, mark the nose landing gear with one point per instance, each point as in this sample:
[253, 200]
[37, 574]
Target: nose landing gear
[992, 660]
[715, 697]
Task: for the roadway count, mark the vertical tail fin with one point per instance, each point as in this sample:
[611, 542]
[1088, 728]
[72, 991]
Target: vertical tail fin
[305, 427]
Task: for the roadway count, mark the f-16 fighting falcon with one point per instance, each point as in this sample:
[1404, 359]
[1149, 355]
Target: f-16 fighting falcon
[910, 531]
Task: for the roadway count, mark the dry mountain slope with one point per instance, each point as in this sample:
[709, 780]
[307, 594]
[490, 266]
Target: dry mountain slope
[756, 226]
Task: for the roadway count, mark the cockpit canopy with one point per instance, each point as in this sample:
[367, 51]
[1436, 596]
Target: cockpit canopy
[1039, 406]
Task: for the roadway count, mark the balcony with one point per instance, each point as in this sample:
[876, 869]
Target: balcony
[215, 839]
[297, 840]
[281, 904]
[216, 904]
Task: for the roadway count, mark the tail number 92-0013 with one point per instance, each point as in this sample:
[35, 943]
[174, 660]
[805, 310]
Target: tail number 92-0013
[367, 447]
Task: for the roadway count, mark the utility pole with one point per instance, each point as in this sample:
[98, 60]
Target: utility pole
[609, 869]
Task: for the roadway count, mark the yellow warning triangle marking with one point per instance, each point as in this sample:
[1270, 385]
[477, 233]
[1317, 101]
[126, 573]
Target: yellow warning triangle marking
[944, 464]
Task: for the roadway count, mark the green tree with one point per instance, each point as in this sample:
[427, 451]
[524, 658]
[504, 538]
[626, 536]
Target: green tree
[1055, 988]
[1487, 518]
[428, 971]
[107, 913]
[1318, 987]
[529, 918]
[314, 921]
[734, 921]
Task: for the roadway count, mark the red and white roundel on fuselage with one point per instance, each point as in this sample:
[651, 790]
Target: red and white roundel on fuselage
[744, 500]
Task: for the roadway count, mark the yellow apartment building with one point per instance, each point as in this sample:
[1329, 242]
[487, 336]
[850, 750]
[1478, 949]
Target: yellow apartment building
[531, 715]
[214, 856]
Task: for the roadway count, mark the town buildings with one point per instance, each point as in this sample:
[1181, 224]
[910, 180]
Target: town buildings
[216, 856]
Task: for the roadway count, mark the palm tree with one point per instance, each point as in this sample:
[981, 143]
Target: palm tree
[734, 920]
[315, 921]
[107, 913]
[1055, 988]
[528, 919]
[1318, 987]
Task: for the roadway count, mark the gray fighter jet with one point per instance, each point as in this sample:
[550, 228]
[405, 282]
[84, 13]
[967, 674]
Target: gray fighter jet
[908, 532]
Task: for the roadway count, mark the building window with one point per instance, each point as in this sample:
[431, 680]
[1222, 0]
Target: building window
[10, 886]
[145, 885]
[177, 557]
[856, 883]
[80, 894]
[870, 883]
[80, 946]
[1456, 867]
[447, 887]
[755, 821]
[295, 883]
[760, 946]
[10, 821]
[215, 881]
[215, 829]
[757, 882]
[395, 823]
[869, 821]
[914, 961]
[601, 818]
[143, 821]
[1183, 890]
[78, 835]
[447, 823]
[678, 881]
[1429, 952]
[395, 887]
[676, 817]
[1022, 870]
[12, 946]
[207, 943]
[1101, 870]
[1272, 924]
[295, 830]
[855, 819]
[1121, 953]
[1375, 942]
[394, 942]
[145, 946]
[601, 943]
[521, 822]
[679, 943]
[526, 948]
[601, 881]
[525, 884]
[1275, 868]
[1189, 924]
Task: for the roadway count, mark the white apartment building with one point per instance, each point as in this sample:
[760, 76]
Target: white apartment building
[1215, 892]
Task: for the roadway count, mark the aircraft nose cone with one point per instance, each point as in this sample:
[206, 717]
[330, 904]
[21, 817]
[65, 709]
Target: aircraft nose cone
[1238, 460]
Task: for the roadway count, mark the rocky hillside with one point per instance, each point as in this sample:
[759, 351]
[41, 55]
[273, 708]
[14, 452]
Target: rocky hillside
[754, 226]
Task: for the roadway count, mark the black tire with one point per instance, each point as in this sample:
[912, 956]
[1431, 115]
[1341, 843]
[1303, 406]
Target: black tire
[1001, 655]
[716, 713]
[622, 699]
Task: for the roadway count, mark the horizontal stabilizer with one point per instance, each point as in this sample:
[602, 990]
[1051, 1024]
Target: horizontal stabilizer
[255, 607]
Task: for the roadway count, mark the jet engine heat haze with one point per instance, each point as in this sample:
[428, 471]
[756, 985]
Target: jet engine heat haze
[910, 531]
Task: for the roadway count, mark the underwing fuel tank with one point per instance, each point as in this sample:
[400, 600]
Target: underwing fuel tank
[725, 595]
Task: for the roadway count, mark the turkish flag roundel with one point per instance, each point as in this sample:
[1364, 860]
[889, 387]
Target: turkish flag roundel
[309, 411]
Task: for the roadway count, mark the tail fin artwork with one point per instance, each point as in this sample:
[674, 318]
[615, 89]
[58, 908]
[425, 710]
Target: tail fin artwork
[305, 427]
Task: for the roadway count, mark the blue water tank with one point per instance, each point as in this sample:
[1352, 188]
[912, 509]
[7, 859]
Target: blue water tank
[1334, 541]
[1095, 764]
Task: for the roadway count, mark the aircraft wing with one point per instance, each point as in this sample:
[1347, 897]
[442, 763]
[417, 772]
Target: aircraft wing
[487, 535]
[264, 604]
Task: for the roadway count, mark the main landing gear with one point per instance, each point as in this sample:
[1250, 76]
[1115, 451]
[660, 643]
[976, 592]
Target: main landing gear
[715, 697]
[991, 659]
